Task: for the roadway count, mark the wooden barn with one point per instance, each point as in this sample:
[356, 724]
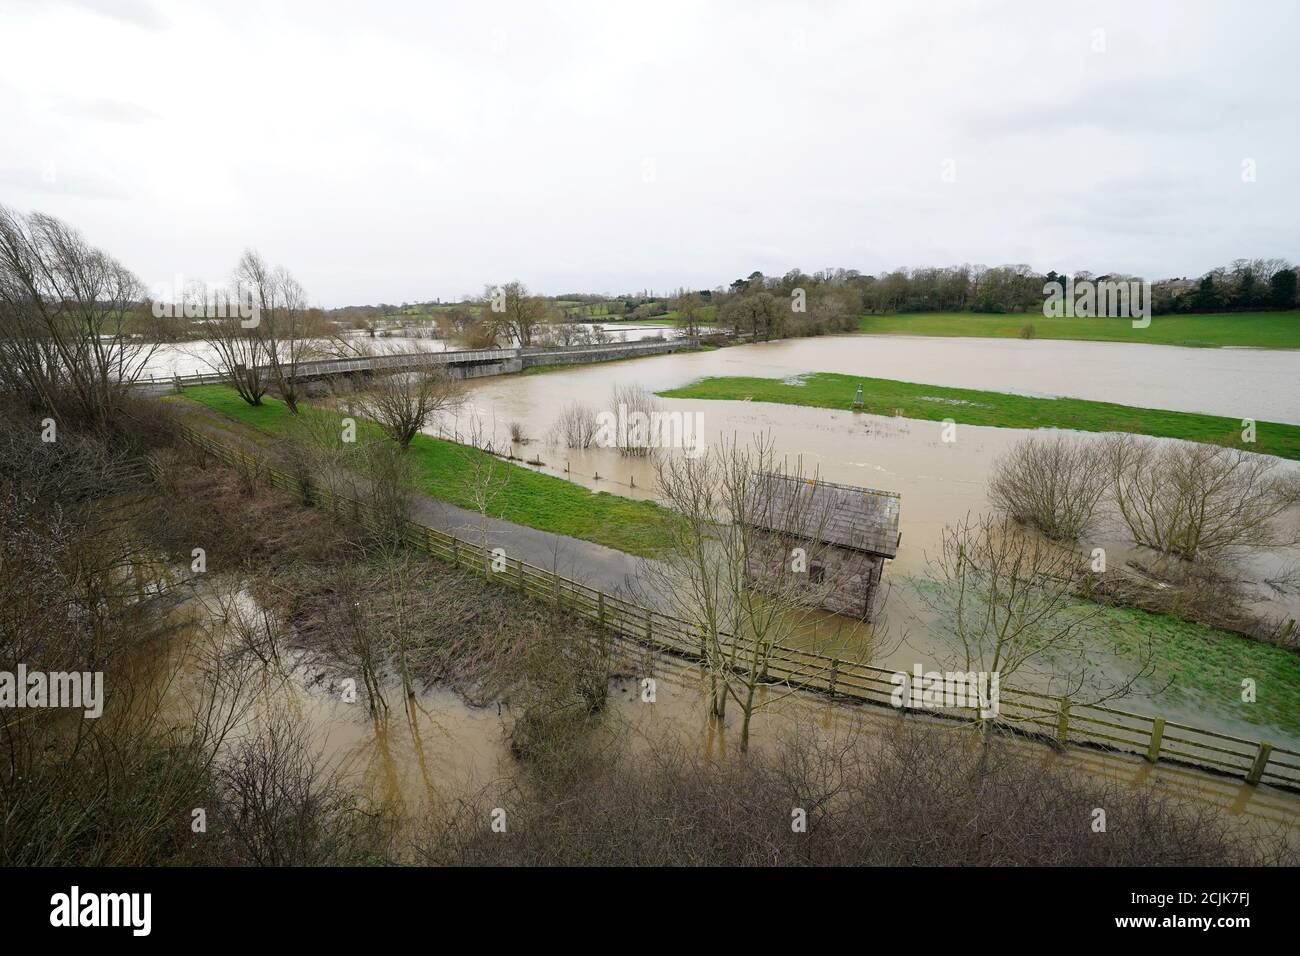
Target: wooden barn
[848, 533]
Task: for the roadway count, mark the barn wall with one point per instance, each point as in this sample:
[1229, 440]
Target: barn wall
[853, 575]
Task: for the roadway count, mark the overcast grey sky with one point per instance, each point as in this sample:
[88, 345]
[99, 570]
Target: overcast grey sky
[390, 151]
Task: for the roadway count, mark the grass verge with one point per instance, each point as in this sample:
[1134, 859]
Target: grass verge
[526, 497]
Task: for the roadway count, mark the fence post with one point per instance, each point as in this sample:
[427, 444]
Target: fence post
[555, 587]
[835, 673]
[1063, 721]
[455, 552]
[600, 606]
[521, 574]
[1157, 734]
[649, 626]
[1261, 761]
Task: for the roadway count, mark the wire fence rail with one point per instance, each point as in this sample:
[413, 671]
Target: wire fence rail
[1059, 720]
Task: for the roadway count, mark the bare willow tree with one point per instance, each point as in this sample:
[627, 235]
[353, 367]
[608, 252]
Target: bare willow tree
[64, 310]
[1192, 500]
[257, 348]
[689, 307]
[238, 354]
[738, 558]
[485, 478]
[575, 427]
[637, 418]
[1052, 483]
[1009, 602]
[514, 314]
[282, 321]
[403, 403]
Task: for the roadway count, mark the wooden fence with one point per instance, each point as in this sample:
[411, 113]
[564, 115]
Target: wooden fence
[1057, 719]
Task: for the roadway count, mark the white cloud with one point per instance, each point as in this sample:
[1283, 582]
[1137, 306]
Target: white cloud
[401, 151]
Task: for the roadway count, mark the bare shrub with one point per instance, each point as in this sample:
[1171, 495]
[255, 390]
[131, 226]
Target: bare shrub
[403, 403]
[517, 433]
[284, 808]
[65, 308]
[1192, 500]
[79, 593]
[576, 426]
[1053, 484]
[1209, 591]
[920, 799]
[637, 411]
[386, 488]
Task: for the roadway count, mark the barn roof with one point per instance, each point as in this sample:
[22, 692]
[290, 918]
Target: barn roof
[860, 518]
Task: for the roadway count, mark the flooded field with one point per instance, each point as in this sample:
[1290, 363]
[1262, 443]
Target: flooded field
[940, 482]
[423, 755]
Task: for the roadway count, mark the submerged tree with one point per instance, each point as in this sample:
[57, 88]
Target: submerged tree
[1193, 500]
[1053, 484]
[1009, 603]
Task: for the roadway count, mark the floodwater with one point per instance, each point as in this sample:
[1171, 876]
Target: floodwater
[423, 759]
[940, 481]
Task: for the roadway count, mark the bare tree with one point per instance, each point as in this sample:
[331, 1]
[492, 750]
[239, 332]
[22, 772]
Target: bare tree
[64, 306]
[513, 313]
[403, 403]
[1009, 600]
[576, 426]
[637, 416]
[1053, 484]
[238, 356]
[281, 325]
[484, 476]
[1189, 499]
[742, 583]
[689, 307]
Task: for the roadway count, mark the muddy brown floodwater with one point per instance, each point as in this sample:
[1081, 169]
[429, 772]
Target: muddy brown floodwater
[421, 760]
[940, 481]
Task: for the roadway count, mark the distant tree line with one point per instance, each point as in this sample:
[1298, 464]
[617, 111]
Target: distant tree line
[1245, 285]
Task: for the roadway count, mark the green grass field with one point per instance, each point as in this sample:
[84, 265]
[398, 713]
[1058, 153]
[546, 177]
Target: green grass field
[526, 497]
[1273, 330]
[706, 317]
[1195, 667]
[967, 406]
[1203, 668]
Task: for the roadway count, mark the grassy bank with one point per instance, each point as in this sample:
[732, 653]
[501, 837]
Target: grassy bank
[524, 497]
[968, 406]
[1203, 667]
[1273, 330]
